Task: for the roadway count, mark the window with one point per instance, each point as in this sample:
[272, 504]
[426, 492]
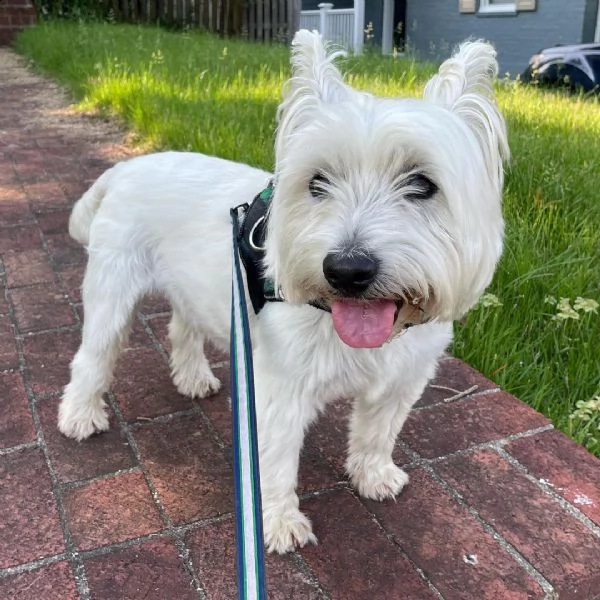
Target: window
[497, 7]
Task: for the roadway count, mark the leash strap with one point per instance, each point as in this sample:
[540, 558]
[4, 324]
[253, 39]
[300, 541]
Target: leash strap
[248, 511]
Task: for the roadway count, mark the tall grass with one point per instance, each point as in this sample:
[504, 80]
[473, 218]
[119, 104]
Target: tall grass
[196, 92]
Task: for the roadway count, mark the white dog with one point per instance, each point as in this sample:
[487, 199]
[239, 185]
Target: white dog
[385, 213]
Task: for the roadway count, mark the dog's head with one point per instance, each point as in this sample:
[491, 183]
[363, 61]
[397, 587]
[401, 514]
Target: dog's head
[387, 209]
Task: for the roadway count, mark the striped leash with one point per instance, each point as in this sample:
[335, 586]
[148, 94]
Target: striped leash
[248, 512]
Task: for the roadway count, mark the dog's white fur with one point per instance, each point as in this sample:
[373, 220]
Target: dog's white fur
[161, 222]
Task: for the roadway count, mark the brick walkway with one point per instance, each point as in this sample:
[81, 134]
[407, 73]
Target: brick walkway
[500, 506]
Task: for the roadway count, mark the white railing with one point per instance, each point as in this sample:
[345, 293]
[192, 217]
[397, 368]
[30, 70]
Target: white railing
[336, 25]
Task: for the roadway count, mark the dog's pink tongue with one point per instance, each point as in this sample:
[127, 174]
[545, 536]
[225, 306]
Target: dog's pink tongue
[363, 323]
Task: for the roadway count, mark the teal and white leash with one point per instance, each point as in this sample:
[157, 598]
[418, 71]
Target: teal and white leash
[248, 512]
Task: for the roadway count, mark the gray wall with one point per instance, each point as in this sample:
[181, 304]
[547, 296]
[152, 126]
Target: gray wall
[434, 27]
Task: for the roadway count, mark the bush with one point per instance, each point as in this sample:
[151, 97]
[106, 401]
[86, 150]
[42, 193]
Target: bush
[73, 9]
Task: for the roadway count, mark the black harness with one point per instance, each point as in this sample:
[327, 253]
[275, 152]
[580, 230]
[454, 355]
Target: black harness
[250, 229]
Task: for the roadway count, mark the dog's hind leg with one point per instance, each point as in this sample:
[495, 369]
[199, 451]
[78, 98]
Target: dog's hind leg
[110, 293]
[190, 370]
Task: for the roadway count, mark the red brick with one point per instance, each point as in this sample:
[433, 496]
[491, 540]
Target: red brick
[7, 172]
[14, 211]
[37, 170]
[111, 510]
[29, 155]
[8, 349]
[329, 434]
[153, 304]
[188, 469]
[42, 306]
[437, 534]
[30, 526]
[56, 221]
[218, 407]
[152, 571]
[160, 328]
[98, 455]
[52, 142]
[73, 189]
[4, 306]
[27, 268]
[457, 376]
[20, 238]
[72, 278]
[138, 336]
[143, 386]
[47, 357]
[569, 468]
[212, 549]
[12, 194]
[315, 473]
[354, 560]
[553, 541]
[16, 424]
[214, 354]
[66, 252]
[54, 582]
[447, 428]
[46, 194]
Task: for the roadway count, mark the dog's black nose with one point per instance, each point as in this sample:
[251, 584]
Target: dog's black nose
[350, 273]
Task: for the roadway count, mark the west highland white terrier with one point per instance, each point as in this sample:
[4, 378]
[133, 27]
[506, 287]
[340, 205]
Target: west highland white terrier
[385, 213]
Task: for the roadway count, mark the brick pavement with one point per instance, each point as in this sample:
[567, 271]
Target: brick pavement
[500, 505]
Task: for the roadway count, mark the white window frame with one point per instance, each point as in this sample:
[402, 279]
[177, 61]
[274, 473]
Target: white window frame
[506, 8]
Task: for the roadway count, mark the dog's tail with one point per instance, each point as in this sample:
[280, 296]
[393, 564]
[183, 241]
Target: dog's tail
[86, 207]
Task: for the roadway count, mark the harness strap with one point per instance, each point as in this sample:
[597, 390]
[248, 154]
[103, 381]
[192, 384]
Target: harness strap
[250, 236]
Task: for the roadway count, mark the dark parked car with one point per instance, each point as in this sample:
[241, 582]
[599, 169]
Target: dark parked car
[576, 67]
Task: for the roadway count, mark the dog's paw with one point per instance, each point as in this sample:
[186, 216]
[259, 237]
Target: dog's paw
[196, 387]
[81, 423]
[379, 483]
[287, 531]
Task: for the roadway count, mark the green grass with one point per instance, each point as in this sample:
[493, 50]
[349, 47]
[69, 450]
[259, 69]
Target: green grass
[197, 92]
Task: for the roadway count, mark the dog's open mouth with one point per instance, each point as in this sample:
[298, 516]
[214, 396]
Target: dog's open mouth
[364, 323]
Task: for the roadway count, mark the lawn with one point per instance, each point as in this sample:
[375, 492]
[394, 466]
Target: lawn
[537, 332]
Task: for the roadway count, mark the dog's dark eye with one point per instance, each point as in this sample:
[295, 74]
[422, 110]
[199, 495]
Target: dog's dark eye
[418, 187]
[318, 185]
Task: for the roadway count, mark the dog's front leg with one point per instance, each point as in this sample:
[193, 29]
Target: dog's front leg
[282, 415]
[376, 421]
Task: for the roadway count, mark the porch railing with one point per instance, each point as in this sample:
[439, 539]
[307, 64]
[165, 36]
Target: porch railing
[336, 25]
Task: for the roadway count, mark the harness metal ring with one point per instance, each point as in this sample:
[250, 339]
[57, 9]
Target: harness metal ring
[251, 236]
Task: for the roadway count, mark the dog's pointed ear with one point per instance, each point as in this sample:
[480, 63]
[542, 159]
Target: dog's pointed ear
[464, 85]
[315, 81]
[313, 68]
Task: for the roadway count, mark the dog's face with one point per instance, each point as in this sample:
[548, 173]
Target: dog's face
[389, 210]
